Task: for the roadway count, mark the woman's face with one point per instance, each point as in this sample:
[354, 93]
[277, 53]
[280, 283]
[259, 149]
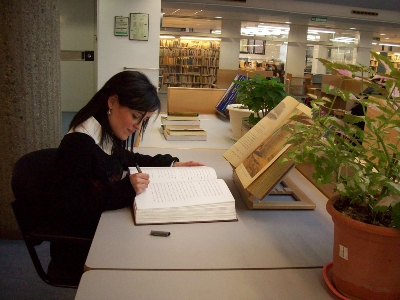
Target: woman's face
[123, 120]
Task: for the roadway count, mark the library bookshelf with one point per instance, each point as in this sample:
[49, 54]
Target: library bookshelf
[394, 57]
[188, 63]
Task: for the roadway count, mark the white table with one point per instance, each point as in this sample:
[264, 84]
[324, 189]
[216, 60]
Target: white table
[217, 127]
[296, 284]
[259, 240]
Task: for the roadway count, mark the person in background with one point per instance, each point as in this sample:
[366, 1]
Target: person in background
[275, 72]
[92, 164]
[260, 67]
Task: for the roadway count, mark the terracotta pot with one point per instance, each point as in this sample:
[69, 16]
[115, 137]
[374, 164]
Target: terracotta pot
[366, 258]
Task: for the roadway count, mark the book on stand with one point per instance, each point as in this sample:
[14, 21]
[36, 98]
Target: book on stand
[255, 157]
[183, 195]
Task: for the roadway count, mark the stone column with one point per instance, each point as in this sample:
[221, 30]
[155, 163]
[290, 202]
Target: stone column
[230, 44]
[30, 112]
[364, 48]
[296, 50]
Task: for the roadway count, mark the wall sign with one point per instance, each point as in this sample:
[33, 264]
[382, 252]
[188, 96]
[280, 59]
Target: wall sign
[139, 27]
[319, 19]
[121, 26]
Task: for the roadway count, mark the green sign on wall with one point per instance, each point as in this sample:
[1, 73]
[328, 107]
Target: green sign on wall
[319, 19]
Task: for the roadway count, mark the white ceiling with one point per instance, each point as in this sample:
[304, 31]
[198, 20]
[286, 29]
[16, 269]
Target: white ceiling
[201, 17]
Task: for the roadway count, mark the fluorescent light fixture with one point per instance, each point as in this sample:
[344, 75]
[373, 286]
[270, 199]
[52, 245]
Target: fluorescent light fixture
[218, 17]
[344, 39]
[393, 45]
[314, 31]
[374, 43]
[167, 37]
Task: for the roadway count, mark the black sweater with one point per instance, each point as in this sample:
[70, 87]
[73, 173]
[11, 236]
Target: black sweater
[89, 182]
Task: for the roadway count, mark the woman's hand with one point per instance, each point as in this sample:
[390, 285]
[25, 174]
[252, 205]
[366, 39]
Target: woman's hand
[139, 182]
[187, 164]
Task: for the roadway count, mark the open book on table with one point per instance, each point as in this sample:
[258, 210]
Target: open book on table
[255, 157]
[183, 195]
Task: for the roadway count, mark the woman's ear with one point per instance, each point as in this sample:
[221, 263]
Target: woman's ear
[112, 101]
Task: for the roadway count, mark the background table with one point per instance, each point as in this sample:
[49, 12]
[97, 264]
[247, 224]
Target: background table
[217, 127]
[297, 284]
[259, 240]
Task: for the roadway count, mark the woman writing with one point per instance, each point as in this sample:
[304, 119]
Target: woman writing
[92, 163]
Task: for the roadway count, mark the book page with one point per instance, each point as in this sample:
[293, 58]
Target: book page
[264, 155]
[183, 193]
[261, 131]
[168, 174]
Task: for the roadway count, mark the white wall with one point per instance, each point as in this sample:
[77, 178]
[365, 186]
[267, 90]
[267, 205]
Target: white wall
[77, 33]
[115, 52]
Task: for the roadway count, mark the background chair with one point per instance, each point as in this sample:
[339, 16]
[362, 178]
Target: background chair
[32, 176]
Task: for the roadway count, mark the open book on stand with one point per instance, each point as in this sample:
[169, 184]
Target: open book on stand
[255, 158]
[183, 195]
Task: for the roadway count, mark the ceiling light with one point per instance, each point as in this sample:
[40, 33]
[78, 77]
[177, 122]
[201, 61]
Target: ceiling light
[352, 28]
[320, 31]
[383, 33]
[394, 45]
[288, 22]
[218, 17]
[167, 37]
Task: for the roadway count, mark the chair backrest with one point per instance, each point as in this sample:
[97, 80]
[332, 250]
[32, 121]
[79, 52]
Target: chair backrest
[32, 179]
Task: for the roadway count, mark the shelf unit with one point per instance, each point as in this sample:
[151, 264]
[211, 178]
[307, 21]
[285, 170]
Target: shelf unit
[188, 63]
[394, 57]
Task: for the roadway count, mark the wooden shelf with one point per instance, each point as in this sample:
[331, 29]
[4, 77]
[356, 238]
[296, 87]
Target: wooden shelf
[186, 63]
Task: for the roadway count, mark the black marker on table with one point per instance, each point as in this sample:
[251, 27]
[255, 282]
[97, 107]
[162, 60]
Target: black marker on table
[160, 233]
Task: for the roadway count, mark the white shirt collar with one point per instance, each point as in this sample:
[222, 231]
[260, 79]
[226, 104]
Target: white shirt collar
[93, 128]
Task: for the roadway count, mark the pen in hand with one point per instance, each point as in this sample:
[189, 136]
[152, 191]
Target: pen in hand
[138, 168]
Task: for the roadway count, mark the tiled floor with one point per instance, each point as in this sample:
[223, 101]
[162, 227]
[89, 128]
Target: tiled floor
[18, 278]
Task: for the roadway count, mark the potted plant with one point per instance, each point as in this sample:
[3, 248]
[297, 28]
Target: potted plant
[260, 95]
[362, 163]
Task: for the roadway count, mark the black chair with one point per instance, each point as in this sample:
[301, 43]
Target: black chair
[32, 176]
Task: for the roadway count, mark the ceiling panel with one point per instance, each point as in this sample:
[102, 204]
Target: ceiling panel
[201, 17]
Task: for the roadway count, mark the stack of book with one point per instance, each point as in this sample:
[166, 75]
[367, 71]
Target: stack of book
[182, 127]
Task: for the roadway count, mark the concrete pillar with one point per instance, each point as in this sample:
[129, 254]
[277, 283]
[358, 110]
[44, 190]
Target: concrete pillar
[364, 47]
[296, 50]
[230, 44]
[320, 51]
[30, 113]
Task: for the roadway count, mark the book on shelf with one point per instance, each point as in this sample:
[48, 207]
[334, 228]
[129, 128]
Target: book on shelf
[185, 134]
[255, 157]
[183, 195]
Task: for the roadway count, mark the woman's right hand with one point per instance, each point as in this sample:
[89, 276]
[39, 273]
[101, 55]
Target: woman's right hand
[139, 181]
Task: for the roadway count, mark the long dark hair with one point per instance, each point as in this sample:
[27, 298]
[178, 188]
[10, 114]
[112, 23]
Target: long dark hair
[134, 90]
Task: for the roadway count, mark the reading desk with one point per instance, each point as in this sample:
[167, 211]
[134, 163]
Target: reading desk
[296, 284]
[217, 127]
[272, 239]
